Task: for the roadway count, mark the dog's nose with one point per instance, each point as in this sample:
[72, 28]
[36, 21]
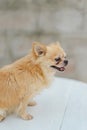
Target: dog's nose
[65, 62]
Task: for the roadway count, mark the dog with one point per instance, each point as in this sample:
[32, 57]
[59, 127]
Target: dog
[22, 80]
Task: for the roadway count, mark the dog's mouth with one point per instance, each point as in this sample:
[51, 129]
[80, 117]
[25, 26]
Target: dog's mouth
[58, 68]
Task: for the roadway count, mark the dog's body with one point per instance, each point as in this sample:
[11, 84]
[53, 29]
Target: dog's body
[22, 80]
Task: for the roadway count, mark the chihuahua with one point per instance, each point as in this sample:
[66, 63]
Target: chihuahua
[22, 80]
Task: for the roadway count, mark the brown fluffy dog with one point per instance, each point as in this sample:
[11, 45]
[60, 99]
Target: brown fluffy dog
[22, 80]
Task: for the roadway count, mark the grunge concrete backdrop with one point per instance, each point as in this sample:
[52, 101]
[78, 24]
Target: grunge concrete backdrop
[25, 21]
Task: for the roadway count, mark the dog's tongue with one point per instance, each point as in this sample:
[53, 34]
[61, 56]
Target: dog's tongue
[58, 68]
[62, 69]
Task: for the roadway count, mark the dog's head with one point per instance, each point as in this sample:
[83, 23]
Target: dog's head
[52, 56]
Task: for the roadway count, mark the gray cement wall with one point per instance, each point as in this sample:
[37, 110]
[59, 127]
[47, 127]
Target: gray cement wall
[25, 21]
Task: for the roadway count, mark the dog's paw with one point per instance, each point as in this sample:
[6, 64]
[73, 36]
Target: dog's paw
[32, 103]
[26, 116]
[1, 118]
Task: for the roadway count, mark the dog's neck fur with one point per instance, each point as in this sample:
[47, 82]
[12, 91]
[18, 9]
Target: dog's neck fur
[43, 72]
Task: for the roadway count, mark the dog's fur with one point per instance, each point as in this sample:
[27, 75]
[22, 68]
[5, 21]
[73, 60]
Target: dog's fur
[22, 80]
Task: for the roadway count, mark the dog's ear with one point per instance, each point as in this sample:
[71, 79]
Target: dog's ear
[39, 49]
[57, 43]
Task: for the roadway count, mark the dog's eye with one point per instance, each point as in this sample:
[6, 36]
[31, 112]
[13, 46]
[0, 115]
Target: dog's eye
[58, 59]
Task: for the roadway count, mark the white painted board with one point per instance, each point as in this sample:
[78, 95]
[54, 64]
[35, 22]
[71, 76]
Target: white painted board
[75, 117]
[54, 106]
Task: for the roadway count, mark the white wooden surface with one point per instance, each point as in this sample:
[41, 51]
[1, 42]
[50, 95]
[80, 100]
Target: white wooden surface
[61, 107]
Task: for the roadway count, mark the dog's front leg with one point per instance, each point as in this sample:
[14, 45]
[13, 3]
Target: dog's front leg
[22, 110]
